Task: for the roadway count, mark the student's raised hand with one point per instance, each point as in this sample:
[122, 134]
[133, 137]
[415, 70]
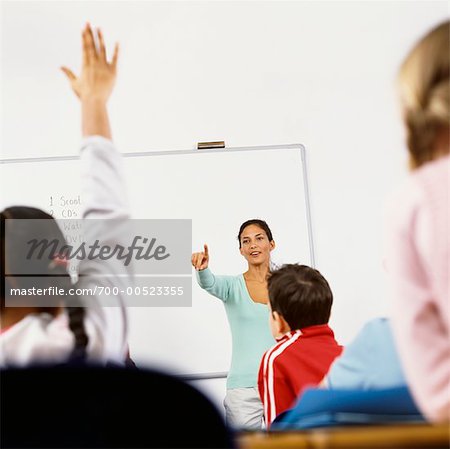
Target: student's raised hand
[97, 77]
[200, 260]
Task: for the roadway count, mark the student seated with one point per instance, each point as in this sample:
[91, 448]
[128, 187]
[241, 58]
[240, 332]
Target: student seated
[369, 362]
[300, 305]
[77, 327]
[417, 244]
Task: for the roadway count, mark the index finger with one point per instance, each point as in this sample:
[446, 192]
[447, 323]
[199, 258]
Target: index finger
[206, 249]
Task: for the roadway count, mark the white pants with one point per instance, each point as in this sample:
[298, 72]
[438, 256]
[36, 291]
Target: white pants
[243, 408]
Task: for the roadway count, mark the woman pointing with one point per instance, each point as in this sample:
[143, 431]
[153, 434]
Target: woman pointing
[245, 297]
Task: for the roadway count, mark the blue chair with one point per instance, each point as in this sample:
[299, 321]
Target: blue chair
[328, 408]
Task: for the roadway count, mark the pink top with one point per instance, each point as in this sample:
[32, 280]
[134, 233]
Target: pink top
[417, 261]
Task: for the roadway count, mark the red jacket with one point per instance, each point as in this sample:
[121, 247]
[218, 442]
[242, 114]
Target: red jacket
[300, 358]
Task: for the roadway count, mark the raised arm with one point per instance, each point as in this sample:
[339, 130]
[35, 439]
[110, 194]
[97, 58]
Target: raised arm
[104, 197]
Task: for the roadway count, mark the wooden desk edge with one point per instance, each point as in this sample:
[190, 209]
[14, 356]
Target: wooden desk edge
[398, 436]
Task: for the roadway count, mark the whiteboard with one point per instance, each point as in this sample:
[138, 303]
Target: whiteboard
[218, 190]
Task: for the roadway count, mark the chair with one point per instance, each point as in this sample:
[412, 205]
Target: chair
[79, 406]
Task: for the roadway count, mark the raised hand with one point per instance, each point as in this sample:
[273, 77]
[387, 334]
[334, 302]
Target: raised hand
[200, 260]
[97, 77]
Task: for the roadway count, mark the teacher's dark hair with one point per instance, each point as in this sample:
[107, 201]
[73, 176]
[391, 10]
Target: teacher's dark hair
[257, 222]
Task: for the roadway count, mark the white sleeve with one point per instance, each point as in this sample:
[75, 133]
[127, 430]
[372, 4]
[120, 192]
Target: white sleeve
[104, 198]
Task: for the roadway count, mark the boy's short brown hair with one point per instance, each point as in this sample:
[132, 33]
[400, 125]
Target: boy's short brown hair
[301, 295]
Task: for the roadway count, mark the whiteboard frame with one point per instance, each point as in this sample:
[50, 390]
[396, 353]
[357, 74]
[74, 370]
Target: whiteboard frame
[165, 153]
[298, 146]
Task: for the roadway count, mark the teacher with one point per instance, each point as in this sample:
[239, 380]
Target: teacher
[245, 298]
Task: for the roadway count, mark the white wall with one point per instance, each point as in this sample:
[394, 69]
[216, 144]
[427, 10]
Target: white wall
[250, 73]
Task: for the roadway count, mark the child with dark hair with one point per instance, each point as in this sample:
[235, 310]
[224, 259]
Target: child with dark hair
[77, 327]
[300, 301]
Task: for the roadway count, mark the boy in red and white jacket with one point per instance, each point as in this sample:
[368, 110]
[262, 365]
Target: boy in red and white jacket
[300, 302]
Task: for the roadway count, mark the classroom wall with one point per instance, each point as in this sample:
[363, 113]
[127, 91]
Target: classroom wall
[250, 73]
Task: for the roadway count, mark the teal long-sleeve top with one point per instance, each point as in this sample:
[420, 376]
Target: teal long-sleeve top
[249, 324]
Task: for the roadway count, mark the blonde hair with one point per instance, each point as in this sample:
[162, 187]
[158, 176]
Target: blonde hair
[424, 91]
